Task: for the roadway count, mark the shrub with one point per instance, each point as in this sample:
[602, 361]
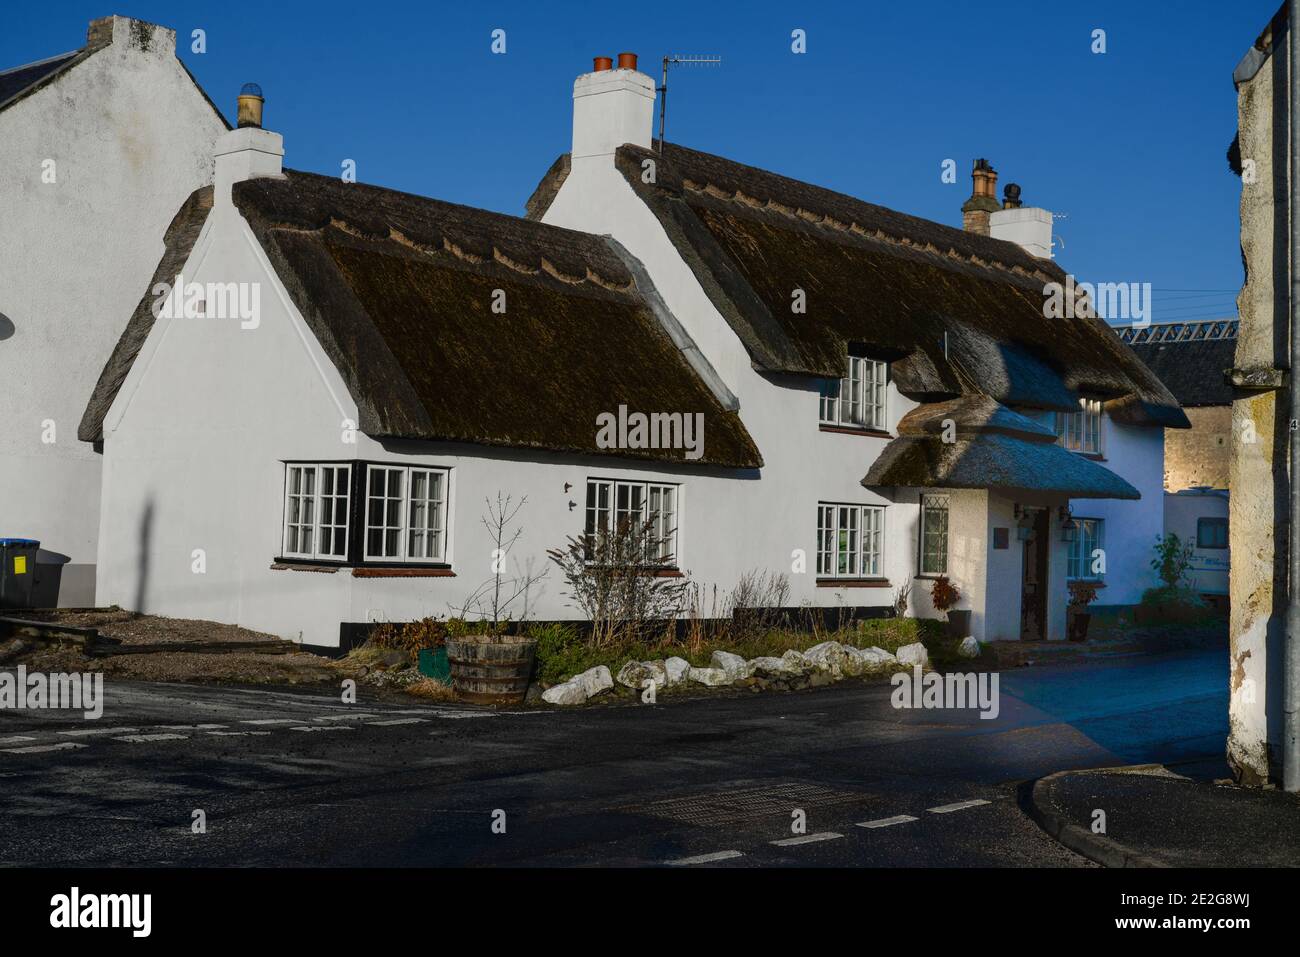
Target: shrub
[410, 636]
[614, 578]
[1173, 559]
[944, 594]
[1082, 594]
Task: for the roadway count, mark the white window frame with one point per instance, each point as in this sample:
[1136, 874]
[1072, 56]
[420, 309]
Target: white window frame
[1081, 431]
[934, 503]
[1089, 535]
[860, 400]
[617, 502]
[317, 501]
[850, 540]
[436, 517]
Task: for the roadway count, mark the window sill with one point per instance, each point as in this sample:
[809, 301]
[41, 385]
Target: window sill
[929, 576]
[1094, 456]
[416, 572]
[294, 565]
[853, 583]
[1094, 582]
[644, 572]
[850, 430]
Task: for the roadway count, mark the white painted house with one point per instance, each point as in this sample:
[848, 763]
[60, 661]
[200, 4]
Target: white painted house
[322, 458]
[98, 147]
[938, 313]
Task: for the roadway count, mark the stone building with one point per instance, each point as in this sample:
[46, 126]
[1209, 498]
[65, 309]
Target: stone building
[1193, 360]
[1258, 520]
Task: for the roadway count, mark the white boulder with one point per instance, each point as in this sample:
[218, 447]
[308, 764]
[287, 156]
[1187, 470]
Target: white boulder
[712, 677]
[913, 654]
[568, 692]
[675, 670]
[827, 656]
[594, 680]
[634, 674]
[969, 647]
[769, 667]
[874, 659]
[735, 667]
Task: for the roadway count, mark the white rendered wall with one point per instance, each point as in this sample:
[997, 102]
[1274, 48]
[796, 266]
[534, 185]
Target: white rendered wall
[131, 137]
[1210, 566]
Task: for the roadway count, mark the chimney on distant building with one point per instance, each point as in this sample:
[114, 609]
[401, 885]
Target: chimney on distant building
[1028, 227]
[983, 199]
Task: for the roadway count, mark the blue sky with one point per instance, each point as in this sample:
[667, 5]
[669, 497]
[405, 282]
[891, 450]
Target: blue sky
[1129, 146]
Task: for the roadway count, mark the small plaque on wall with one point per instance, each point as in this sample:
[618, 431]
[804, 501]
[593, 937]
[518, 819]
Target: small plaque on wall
[1001, 537]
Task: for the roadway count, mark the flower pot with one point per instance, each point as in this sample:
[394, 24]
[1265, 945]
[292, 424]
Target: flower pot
[959, 623]
[491, 669]
[434, 664]
[1079, 626]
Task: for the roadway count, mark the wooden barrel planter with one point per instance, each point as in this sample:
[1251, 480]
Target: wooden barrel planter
[491, 669]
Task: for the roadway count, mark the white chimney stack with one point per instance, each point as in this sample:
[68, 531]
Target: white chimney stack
[612, 107]
[247, 152]
[1029, 227]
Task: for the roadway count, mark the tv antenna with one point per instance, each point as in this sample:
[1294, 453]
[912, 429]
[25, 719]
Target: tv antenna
[677, 59]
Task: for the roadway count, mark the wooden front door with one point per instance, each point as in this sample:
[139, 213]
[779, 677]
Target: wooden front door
[1033, 600]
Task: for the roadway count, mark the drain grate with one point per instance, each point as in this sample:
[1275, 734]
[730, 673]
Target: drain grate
[733, 805]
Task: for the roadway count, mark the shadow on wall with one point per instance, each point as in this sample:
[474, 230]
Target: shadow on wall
[143, 541]
[6, 327]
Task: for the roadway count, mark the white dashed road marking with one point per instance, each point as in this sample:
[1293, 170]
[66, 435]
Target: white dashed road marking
[190, 727]
[270, 721]
[888, 821]
[345, 717]
[396, 721]
[16, 738]
[237, 734]
[142, 738]
[40, 748]
[959, 806]
[85, 732]
[706, 858]
[808, 839]
[332, 727]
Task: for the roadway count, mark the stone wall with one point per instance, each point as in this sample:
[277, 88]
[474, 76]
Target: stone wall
[1199, 455]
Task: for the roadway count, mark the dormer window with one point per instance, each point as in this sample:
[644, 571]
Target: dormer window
[1081, 431]
[858, 400]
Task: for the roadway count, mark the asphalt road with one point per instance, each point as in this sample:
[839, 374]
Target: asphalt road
[287, 777]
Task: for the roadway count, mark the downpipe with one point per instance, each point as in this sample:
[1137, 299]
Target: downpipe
[1291, 652]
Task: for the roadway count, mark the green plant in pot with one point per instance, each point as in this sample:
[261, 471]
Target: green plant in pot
[1082, 594]
[944, 597]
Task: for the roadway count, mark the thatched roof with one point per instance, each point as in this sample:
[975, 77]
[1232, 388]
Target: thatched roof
[955, 312]
[179, 239]
[992, 447]
[1193, 370]
[399, 291]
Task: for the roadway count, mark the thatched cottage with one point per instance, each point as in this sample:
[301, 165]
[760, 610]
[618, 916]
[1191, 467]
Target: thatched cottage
[853, 335]
[877, 399]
